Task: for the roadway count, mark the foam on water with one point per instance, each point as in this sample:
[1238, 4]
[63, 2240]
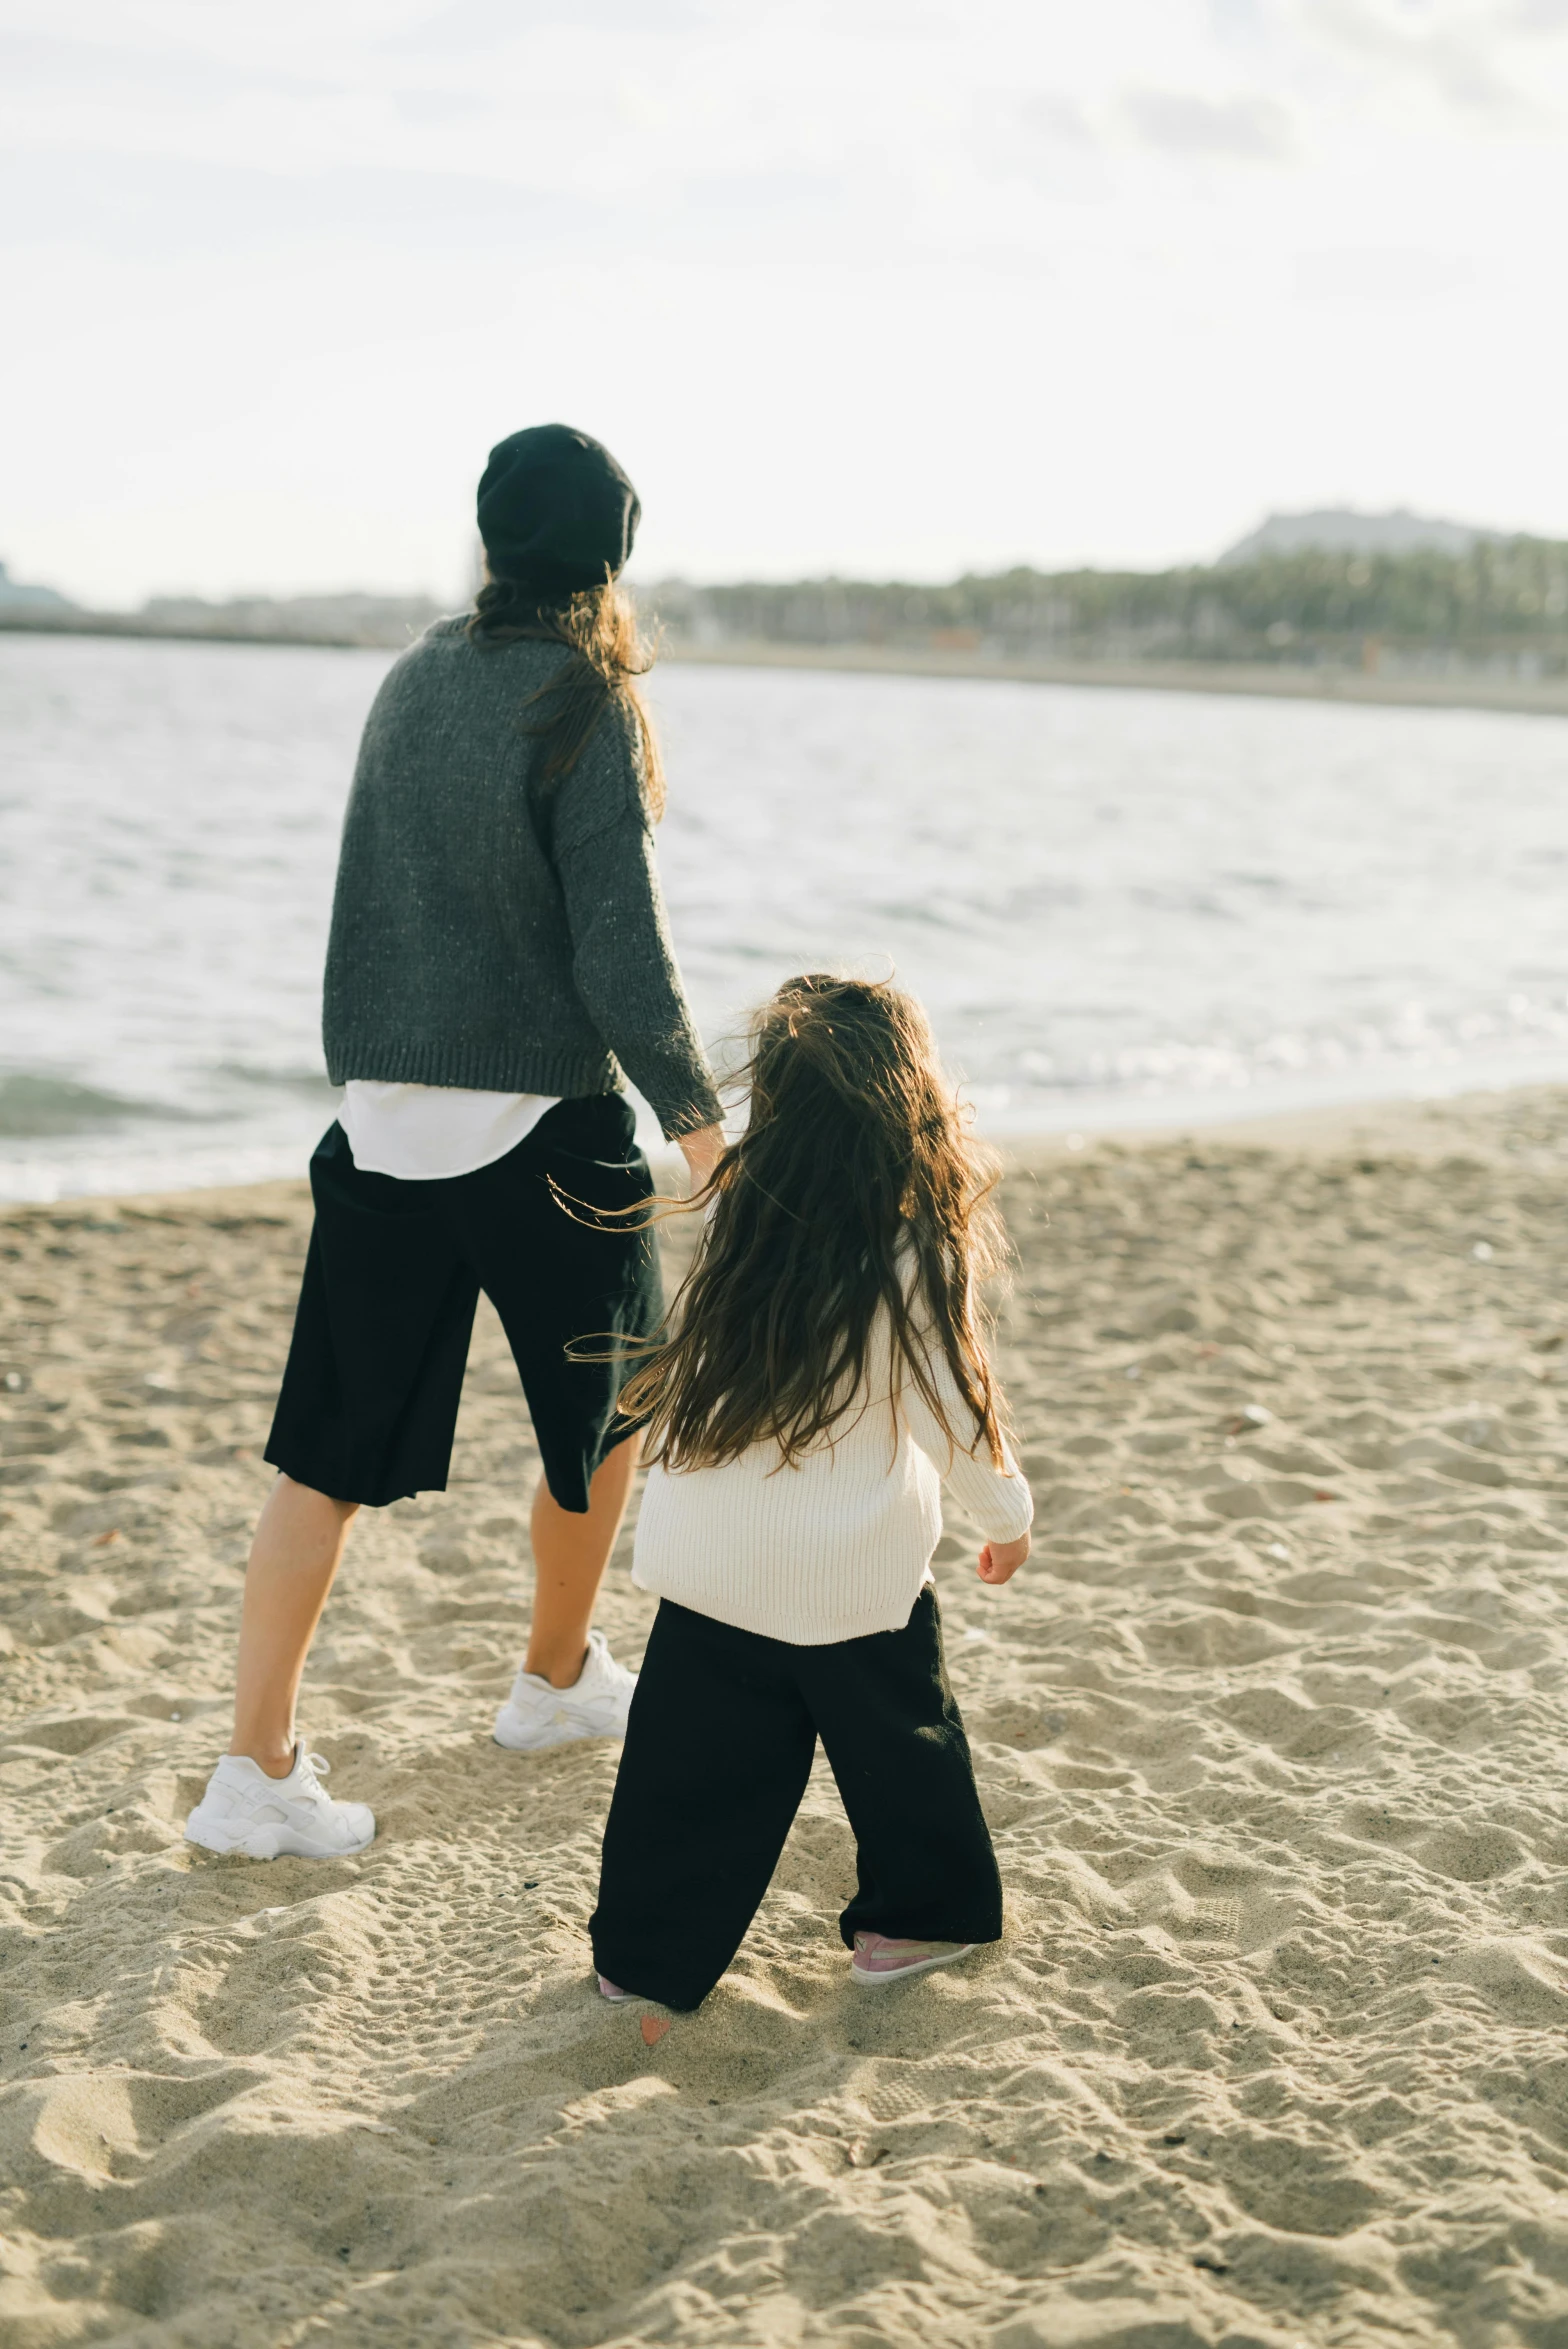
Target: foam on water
[1120, 908]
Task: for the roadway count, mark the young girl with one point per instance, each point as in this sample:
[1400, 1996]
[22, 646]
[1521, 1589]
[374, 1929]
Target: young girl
[826, 1377]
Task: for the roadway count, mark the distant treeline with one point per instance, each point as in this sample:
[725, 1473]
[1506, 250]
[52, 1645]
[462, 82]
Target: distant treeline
[386, 621]
[1502, 606]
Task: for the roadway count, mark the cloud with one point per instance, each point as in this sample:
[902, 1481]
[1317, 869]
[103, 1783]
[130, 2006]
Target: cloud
[1454, 57]
[1179, 122]
[427, 108]
[494, 24]
[82, 66]
[1052, 119]
[136, 206]
[140, 206]
[1038, 141]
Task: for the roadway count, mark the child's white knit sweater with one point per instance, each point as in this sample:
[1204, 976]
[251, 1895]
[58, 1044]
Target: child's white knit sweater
[840, 1544]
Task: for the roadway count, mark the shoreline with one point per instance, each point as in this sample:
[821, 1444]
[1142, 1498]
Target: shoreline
[1419, 1126]
[1260, 680]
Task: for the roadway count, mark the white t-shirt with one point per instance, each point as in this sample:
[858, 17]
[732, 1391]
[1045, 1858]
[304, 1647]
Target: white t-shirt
[423, 1132]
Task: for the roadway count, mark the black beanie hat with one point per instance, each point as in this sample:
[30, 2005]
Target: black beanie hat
[555, 510]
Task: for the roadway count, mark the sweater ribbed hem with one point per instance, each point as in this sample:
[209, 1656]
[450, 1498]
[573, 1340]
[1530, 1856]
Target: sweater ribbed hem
[478, 1068]
[773, 1622]
[568, 1076]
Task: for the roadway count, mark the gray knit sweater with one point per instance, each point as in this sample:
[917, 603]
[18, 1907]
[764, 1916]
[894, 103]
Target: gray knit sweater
[483, 938]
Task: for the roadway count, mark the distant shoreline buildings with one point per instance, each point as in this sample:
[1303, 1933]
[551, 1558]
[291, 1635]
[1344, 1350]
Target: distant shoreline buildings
[1335, 593]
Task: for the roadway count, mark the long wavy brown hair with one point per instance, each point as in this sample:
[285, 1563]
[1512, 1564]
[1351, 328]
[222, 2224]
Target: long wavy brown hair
[855, 1190]
[598, 629]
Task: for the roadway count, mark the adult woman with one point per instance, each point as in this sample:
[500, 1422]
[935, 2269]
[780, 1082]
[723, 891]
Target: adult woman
[498, 946]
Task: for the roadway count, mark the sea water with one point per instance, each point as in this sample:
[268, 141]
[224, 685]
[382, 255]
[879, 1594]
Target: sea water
[1119, 907]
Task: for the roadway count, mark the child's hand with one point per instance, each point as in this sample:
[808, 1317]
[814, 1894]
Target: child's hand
[1000, 1561]
[702, 1151]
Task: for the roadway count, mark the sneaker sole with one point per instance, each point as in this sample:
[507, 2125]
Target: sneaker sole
[268, 1843]
[908, 1973]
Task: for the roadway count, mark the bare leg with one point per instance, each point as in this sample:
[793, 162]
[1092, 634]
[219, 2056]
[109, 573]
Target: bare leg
[293, 1559]
[570, 1556]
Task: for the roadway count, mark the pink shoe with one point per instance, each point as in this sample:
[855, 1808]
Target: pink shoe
[613, 1990]
[879, 1959]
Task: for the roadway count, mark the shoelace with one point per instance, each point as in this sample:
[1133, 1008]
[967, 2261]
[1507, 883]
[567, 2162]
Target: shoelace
[316, 1766]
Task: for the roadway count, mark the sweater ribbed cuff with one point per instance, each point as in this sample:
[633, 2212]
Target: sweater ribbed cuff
[705, 1109]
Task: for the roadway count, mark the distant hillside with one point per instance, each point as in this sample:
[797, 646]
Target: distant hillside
[389, 621]
[297, 619]
[1340, 530]
[15, 596]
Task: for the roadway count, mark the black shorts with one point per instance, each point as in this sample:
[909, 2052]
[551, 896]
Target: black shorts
[386, 1310]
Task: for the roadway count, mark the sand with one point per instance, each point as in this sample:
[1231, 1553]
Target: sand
[1271, 1733]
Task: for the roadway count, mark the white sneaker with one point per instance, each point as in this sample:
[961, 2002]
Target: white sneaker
[536, 1715]
[243, 1810]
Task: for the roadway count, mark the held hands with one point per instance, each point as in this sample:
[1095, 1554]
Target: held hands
[702, 1152]
[1000, 1561]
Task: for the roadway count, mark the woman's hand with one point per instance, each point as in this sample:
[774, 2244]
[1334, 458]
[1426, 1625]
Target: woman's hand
[702, 1152]
[1000, 1561]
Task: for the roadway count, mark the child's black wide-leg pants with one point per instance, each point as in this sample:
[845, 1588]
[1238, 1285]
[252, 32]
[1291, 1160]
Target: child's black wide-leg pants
[723, 1729]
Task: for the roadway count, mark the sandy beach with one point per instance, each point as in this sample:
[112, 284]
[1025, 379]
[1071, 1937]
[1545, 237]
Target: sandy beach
[1270, 1733]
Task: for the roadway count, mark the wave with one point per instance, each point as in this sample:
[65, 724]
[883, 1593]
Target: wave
[31, 1104]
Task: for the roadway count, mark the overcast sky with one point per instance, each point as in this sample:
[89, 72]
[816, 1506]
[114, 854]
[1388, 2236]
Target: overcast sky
[874, 286]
